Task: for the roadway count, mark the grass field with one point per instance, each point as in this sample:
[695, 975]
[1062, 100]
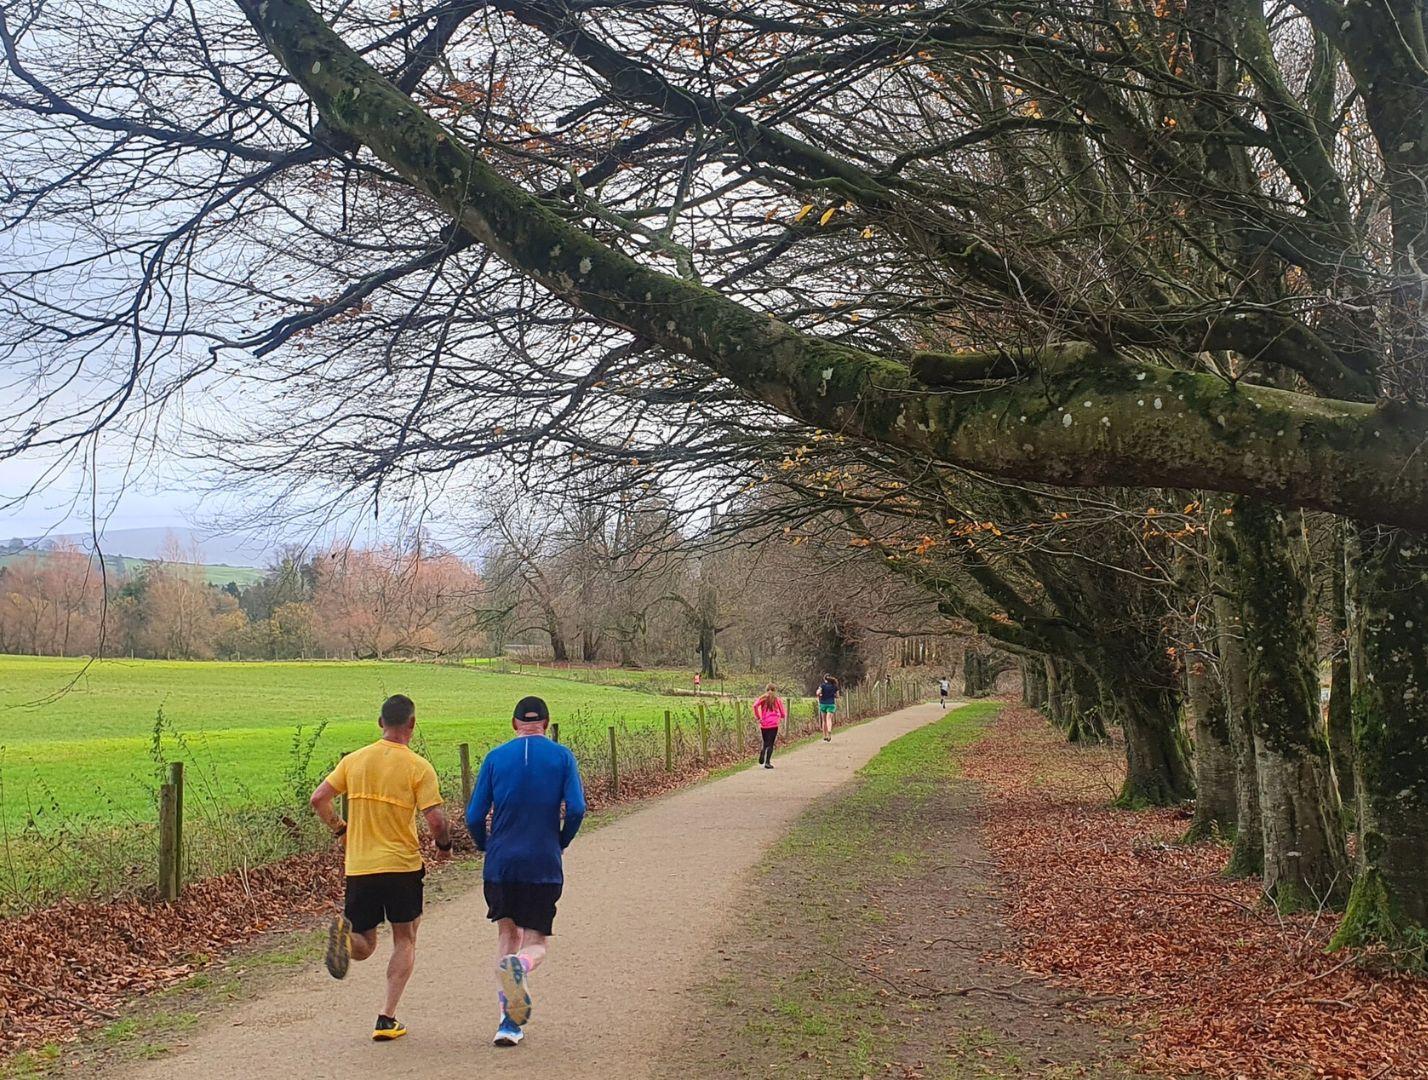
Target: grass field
[213, 573]
[78, 745]
[650, 680]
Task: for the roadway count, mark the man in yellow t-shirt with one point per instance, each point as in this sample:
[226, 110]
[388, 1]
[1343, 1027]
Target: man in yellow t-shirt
[386, 784]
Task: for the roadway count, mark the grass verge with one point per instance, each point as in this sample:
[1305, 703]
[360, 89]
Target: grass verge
[868, 960]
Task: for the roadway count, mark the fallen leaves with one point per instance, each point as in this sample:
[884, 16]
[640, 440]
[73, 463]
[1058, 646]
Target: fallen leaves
[72, 966]
[1215, 982]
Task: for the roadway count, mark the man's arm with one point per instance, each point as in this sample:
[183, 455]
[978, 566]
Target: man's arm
[574, 797]
[321, 803]
[433, 807]
[480, 806]
[440, 827]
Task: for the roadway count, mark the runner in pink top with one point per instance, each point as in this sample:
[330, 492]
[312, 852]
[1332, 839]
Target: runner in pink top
[770, 712]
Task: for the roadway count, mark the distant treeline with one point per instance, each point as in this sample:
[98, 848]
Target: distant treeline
[394, 600]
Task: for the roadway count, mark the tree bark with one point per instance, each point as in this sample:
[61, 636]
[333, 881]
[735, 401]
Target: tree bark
[1305, 860]
[1158, 769]
[1344, 456]
[558, 651]
[1216, 800]
[1247, 854]
[974, 673]
[1341, 718]
[1388, 603]
[1033, 683]
[1056, 692]
[1084, 706]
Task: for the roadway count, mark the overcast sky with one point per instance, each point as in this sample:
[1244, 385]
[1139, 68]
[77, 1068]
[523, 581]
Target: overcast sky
[63, 503]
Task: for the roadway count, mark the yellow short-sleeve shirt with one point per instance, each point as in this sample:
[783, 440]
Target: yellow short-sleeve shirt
[385, 784]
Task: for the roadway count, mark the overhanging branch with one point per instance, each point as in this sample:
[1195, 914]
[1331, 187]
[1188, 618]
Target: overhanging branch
[1095, 425]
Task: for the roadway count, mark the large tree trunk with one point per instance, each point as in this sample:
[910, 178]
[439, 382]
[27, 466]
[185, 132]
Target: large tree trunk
[707, 651]
[1055, 692]
[1341, 717]
[1086, 720]
[1083, 707]
[1388, 594]
[1247, 855]
[981, 670]
[1216, 799]
[1305, 861]
[1034, 688]
[974, 673]
[1157, 760]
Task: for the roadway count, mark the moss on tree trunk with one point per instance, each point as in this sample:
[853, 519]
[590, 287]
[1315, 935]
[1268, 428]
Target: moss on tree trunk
[1341, 716]
[1305, 860]
[1388, 594]
[1158, 769]
[1216, 800]
[1034, 688]
[1247, 854]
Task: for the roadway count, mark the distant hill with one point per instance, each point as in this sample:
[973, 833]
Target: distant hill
[214, 573]
[151, 543]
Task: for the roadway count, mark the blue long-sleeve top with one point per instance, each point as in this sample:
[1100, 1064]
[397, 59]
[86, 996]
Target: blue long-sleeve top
[526, 782]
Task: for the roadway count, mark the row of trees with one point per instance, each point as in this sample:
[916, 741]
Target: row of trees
[623, 583]
[621, 576]
[925, 267]
[371, 602]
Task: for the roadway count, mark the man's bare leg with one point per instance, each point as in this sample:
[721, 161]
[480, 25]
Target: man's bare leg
[364, 944]
[402, 963]
[521, 953]
[532, 949]
[508, 938]
[529, 945]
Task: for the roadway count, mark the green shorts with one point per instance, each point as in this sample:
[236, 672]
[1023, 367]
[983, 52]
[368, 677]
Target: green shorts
[827, 708]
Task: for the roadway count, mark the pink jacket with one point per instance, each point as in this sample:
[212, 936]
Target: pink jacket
[772, 715]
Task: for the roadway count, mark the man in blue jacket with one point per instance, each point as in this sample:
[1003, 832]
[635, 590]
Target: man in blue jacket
[522, 785]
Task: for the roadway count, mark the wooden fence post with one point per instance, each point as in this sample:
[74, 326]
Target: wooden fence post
[166, 842]
[668, 743]
[555, 732]
[342, 799]
[703, 737]
[465, 750]
[614, 766]
[176, 781]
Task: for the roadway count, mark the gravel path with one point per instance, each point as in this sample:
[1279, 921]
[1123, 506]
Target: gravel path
[646, 897]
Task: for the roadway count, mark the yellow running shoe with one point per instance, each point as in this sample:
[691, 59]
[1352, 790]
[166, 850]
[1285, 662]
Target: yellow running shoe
[339, 947]
[388, 1028]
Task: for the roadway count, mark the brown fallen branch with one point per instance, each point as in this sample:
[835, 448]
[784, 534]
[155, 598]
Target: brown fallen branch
[61, 996]
[1312, 978]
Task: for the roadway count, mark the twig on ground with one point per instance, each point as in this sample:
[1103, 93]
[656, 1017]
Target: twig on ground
[1306, 982]
[50, 991]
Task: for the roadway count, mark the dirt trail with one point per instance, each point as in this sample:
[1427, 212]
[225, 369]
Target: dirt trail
[646, 899]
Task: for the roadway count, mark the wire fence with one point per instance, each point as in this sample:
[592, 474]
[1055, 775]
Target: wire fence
[225, 829]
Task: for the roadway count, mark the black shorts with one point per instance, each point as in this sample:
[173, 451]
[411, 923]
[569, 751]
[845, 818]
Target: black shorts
[376, 898]
[531, 907]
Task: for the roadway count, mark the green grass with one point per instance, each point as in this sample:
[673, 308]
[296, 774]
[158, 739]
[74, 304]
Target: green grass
[82, 747]
[814, 1015]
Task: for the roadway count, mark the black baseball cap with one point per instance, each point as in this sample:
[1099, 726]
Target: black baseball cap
[532, 710]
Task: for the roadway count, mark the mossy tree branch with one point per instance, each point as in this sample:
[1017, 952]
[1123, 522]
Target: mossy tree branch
[1095, 424]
